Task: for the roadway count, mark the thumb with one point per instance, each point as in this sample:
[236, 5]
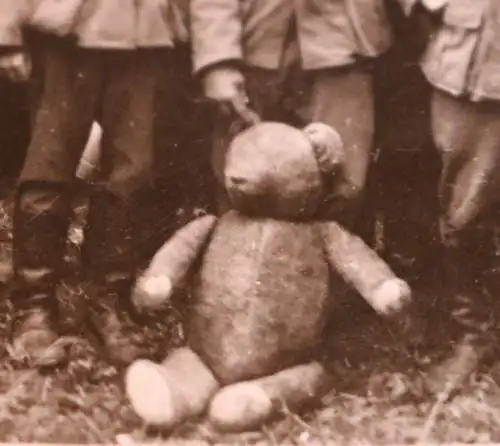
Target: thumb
[26, 67]
[240, 106]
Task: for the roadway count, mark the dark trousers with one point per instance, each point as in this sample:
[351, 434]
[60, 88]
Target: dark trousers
[404, 179]
[80, 86]
[118, 89]
[183, 179]
[340, 97]
[14, 132]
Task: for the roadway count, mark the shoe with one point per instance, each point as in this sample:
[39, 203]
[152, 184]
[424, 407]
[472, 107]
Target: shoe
[111, 319]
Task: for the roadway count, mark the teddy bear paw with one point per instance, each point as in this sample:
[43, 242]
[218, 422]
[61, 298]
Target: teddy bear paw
[149, 394]
[152, 292]
[392, 297]
[240, 407]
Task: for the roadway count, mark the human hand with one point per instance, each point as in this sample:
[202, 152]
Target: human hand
[15, 66]
[226, 86]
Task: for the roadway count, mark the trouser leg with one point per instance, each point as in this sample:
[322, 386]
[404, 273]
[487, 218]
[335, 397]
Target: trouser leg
[343, 99]
[182, 138]
[42, 210]
[468, 138]
[111, 241]
[403, 187]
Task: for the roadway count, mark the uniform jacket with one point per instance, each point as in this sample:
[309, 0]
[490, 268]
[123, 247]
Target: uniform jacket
[463, 56]
[330, 32]
[109, 24]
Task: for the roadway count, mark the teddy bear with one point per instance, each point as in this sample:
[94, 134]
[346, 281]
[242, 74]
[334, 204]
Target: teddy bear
[260, 290]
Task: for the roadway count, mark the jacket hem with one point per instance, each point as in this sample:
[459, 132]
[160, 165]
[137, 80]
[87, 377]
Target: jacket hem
[339, 62]
[123, 46]
[440, 86]
[480, 96]
[472, 96]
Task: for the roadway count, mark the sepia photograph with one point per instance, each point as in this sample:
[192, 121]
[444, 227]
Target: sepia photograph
[249, 222]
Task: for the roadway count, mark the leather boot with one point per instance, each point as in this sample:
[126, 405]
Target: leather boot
[109, 260]
[112, 320]
[41, 220]
[471, 312]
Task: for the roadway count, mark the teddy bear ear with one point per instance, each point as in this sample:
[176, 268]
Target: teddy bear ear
[327, 146]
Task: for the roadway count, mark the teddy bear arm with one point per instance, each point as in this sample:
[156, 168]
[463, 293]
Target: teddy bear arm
[362, 267]
[249, 404]
[172, 262]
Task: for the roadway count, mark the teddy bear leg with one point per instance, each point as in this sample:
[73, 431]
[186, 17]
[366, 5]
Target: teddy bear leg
[169, 393]
[248, 405]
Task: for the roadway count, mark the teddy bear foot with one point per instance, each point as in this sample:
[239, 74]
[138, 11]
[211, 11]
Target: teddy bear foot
[150, 395]
[240, 407]
[167, 394]
[248, 405]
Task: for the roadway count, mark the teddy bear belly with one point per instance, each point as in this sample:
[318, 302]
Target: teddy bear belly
[260, 304]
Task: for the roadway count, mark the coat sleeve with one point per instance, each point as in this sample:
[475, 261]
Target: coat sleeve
[12, 17]
[216, 31]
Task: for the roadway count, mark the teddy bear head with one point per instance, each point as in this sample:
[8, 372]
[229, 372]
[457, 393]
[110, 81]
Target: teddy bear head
[275, 170]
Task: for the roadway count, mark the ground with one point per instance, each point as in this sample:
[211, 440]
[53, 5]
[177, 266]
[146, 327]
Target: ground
[84, 402]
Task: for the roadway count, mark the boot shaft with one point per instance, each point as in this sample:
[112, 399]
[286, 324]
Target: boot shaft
[42, 214]
[109, 248]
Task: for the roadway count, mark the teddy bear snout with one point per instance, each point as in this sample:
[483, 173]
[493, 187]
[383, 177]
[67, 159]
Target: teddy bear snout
[246, 184]
[237, 180]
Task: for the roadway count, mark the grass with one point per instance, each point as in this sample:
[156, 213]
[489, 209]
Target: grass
[84, 402]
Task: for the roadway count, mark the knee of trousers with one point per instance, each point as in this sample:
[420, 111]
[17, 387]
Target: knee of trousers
[127, 181]
[40, 197]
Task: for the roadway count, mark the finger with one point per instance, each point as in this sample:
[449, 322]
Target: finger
[244, 112]
[26, 68]
[225, 108]
[11, 73]
[14, 68]
[17, 74]
[24, 74]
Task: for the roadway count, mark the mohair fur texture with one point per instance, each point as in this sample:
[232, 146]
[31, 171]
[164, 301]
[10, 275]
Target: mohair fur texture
[261, 289]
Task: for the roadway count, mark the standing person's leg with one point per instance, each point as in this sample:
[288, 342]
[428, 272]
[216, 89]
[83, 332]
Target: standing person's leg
[343, 99]
[467, 136]
[111, 242]
[405, 174]
[88, 168]
[42, 209]
[182, 151]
